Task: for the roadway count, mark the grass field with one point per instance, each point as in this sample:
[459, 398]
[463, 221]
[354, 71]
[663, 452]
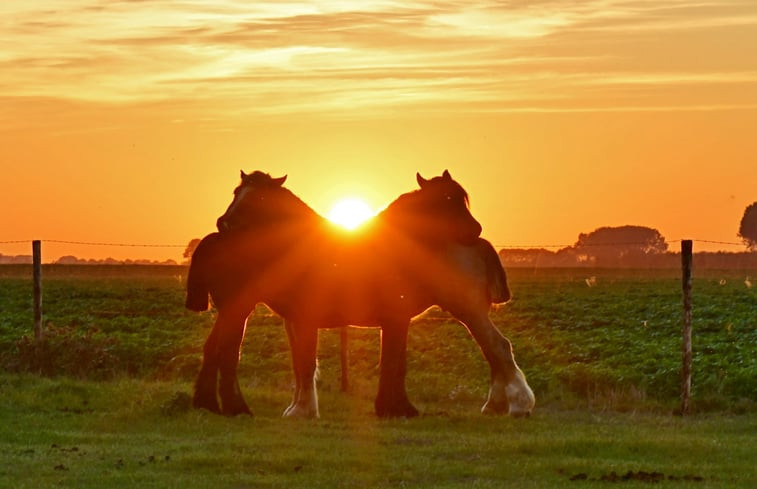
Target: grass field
[601, 348]
[141, 434]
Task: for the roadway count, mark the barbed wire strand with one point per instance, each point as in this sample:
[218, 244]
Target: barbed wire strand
[717, 242]
[148, 245]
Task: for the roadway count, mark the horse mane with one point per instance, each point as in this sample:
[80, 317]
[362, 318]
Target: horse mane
[293, 202]
[414, 200]
[408, 213]
[295, 206]
[288, 206]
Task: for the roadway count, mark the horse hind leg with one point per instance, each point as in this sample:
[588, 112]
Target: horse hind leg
[206, 384]
[232, 400]
[392, 400]
[229, 345]
[303, 342]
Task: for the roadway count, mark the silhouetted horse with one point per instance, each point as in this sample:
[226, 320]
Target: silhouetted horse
[422, 250]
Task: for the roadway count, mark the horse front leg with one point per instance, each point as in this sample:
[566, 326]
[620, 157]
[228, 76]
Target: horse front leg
[508, 392]
[392, 400]
[206, 384]
[303, 342]
[230, 336]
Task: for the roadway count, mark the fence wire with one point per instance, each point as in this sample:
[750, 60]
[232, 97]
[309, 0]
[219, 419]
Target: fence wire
[502, 246]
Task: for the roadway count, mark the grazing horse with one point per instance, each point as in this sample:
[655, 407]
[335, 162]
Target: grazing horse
[422, 250]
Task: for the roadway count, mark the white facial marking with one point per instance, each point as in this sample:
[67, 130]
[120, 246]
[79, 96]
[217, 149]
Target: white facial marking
[238, 197]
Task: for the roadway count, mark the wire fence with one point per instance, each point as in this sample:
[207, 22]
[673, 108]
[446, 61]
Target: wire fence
[24, 257]
[503, 246]
[608, 254]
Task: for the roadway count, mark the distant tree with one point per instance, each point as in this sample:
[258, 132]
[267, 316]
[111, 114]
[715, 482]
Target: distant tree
[191, 247]
[748, 227]
[69, 260]
[620, 246]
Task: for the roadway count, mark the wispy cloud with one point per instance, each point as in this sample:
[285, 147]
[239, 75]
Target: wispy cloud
[375, 57]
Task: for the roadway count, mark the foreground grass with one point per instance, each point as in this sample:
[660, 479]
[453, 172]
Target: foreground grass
[135, 433]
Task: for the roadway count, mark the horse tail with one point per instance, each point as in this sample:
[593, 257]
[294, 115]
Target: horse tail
[197, 279]
[496, 278]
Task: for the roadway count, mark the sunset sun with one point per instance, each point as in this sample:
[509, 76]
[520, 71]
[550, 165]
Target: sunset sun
[350, 213]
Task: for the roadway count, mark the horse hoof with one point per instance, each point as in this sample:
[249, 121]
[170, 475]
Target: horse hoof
[520, 414]
[300, 412]
[236, 412]
[209, 404]
[522, 405]
[494, 408]
[404, 411]
[236, 409]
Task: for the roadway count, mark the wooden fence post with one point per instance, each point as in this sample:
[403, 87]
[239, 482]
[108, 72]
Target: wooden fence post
[686, 264]
[37, 273]
[37, 277]
[344, 358]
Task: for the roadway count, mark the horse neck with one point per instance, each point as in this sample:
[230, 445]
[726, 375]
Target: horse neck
[293, 210]
[403, 205]
[403, 215]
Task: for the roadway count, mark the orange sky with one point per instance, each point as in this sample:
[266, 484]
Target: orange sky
[128, 122]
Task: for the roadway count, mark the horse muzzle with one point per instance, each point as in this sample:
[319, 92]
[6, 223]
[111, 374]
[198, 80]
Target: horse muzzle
[222, 225]
[470, 235]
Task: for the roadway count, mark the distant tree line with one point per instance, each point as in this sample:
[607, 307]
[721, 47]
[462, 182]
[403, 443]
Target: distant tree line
[15, 259]
[72, 260]
[625, 247]
[566, 258]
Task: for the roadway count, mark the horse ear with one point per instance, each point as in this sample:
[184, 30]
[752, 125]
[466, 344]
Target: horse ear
[446, 175]
[280, 181]
[242, 174]
[421, 181]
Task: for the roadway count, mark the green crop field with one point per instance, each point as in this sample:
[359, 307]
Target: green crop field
[601, 349]
[605, 337]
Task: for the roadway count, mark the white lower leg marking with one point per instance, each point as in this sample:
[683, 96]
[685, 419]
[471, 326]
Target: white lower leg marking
[520, 396]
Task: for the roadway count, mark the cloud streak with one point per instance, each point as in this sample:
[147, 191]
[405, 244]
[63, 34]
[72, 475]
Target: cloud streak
[380, 57]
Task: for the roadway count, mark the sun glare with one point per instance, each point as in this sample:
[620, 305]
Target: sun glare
[350, 213]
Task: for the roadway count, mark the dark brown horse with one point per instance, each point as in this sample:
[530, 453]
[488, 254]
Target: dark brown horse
[422, 250]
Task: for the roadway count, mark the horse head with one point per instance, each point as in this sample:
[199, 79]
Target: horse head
[259, 199]
[441, 210]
